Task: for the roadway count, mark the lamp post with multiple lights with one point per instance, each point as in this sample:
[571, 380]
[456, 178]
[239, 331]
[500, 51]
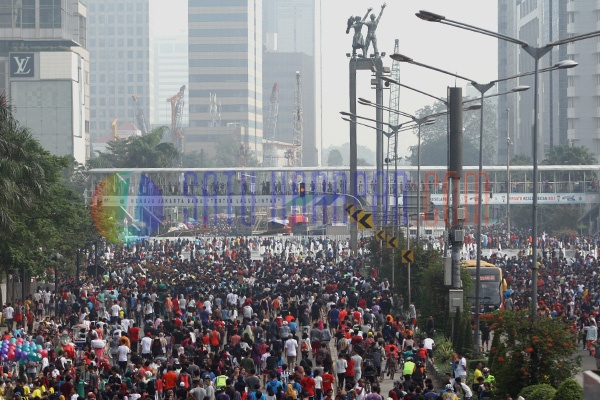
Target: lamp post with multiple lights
[482, 89]
[536, 52]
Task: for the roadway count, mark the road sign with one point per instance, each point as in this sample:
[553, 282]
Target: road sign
[349, 208]
[356, 214]
[408, 256]
[365, 220]
[380, 235]
[392, 243]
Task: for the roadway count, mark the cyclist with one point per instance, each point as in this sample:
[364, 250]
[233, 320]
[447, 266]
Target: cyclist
[409, 368]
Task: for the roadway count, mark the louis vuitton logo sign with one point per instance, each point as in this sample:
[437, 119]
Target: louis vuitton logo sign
[22, 65]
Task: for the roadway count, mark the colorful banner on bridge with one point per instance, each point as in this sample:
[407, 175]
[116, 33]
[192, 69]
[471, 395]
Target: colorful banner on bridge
[515, 198]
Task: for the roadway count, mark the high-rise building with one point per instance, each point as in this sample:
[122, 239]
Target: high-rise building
[171, 72]
[569, 100]
[225, 59]
[44, 71]
[291, 43]
[121, 58]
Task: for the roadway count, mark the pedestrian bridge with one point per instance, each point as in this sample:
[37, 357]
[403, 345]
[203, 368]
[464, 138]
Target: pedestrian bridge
[246, 196]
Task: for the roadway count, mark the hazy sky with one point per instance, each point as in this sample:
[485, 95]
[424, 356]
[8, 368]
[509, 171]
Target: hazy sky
[466, 53]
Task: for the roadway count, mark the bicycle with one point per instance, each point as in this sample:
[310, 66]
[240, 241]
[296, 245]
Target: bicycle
[391, 367]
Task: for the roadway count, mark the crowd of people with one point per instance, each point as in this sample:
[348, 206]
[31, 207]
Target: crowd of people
[202, 319]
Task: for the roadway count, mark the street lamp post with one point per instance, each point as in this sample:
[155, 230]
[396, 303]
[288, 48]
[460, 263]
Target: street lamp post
[508, 173]
[482, 89]
[536, 52]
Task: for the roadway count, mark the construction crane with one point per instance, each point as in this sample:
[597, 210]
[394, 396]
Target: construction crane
[177, 104]
[114, 128]
[298, 125]
[214, 110]
[139, 115]
[394, 105]
[271, 128]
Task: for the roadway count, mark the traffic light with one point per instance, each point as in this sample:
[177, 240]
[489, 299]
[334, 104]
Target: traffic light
[302, 190]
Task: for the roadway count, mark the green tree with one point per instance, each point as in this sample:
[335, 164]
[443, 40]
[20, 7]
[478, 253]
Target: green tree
[148, 151]
[229, 153]
[434, 138]
[361, 162]
[334, 158]
[23, 167]
[551, 217]
[526, 353]
[569, 155]
[39, 209]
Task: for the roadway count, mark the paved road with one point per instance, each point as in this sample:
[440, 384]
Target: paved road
[587, 364]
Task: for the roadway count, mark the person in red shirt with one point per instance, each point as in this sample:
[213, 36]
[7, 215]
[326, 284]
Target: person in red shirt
[134, 337]
[30, 316]
[308, 384]
[170, 379]
[349, 371]
[328, 380]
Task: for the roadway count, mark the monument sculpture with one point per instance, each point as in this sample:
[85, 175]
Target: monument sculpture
[358, 42]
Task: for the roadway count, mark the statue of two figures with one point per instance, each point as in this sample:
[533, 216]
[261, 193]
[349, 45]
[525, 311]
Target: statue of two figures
[358, 42]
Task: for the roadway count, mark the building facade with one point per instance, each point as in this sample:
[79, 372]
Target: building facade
[292, 43]
[44, 70]
[225, 59]
[171, 72]
[121, 63]
[569, 101]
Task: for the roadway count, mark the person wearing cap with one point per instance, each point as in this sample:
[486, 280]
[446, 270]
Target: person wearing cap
[448, 393]
[409, 368]
[488, 377]
[181, 392]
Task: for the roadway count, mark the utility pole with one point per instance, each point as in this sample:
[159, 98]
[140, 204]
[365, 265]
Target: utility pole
[455, 175]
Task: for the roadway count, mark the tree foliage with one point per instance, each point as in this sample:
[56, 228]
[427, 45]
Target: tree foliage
[525, 353]
[40, 211]
[569, 155]
[230, 154]
[148, 151]
[434, 138]
[569, 389]
[335, 159]
[551, 217]
[26, 171]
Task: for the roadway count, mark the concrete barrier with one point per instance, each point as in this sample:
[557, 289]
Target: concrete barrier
[591, 385]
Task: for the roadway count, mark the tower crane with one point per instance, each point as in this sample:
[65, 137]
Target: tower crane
[394, 105]
[177, 104]
[139, 115]
[298, 123]
[114, 128]
[271, 128]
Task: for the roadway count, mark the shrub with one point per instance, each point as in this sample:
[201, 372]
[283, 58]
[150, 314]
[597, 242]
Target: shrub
[569, 389]
[443, 350]
[538, 392]
[528, 354]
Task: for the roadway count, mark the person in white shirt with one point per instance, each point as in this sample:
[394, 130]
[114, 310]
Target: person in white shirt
[146, 343]
[9, 314]
[466, 389]
[247, 311]
[291, 351]
[114, 313]
[429, 343]
[122, 353]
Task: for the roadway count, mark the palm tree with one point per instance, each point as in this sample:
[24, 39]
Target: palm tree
[23, 166]
[148, 151]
